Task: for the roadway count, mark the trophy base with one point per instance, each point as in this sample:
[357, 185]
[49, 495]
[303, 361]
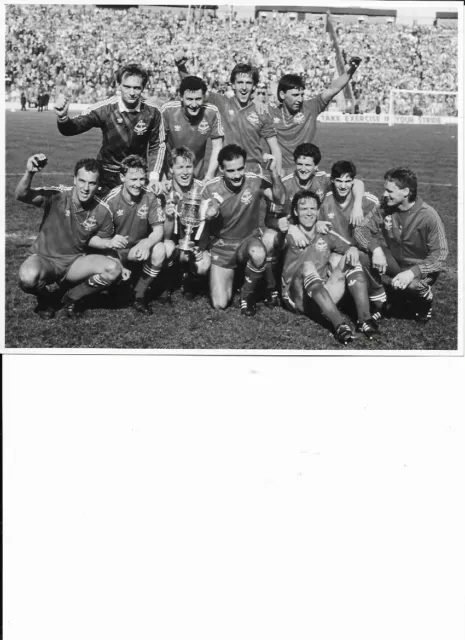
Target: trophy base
[186, 245]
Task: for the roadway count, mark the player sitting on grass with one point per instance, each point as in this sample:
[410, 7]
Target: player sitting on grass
[195, 263]
[337, 209]
[236, 238]
[138, 217]
[306, 287]
[72, 216]
[408, 236]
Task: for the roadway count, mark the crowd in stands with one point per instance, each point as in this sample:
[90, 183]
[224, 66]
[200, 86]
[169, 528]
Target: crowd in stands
[77, 49]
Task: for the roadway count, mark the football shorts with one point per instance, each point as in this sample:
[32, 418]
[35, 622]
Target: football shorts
[60, 264]
[225, 253]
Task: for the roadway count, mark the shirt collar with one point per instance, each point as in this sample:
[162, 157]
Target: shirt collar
[122, 107]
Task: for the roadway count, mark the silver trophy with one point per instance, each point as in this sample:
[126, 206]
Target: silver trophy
[191, 218]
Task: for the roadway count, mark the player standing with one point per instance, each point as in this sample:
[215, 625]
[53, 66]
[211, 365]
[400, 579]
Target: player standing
[407, 240]
[138, 217]
[305, 281]
[130, 125]
[191, 123]
[295, 119]
[72, 216]
[236, 237]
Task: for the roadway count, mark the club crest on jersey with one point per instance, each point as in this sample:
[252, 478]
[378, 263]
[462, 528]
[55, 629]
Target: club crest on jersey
[321, 245]
[119, 213]
[90, 223]
[253, 119]
[247, 196]
[143, 211]
[203, 127]
[299, 117]
[140, 128]
[388, 223]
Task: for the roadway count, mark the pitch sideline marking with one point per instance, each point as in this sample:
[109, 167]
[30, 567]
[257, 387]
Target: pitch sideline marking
[431, 184]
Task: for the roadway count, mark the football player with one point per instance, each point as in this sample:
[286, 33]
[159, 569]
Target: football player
[306, 286]
[407, 241]
[72, 217]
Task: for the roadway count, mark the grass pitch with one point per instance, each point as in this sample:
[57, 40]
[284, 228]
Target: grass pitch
[431, 151]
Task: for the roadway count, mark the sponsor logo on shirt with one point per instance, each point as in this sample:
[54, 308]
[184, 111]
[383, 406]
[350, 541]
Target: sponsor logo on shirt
[321, 245]
[203, 127]
[177, 127]
[330, 215]
[143, 211]
[120, 212]
[90, 223]
[276, 120]
[246, 196]
[231, 112]
[388, 223]
[299, 117]
[67, 213]
[140, 128]
[253, 119]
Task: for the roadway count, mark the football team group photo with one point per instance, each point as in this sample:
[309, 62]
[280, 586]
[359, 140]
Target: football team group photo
[232, 178]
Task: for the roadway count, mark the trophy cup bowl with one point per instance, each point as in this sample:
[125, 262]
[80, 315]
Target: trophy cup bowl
[190, 217]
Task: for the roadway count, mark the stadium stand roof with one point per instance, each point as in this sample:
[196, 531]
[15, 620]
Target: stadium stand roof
[324, 9]
[447, 15]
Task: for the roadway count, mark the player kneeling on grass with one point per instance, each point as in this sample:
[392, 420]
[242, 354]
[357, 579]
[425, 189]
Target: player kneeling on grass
[138, 217]
[72, 217]
[232, 204]
[305, 285]
[196, 262]
[408, 238]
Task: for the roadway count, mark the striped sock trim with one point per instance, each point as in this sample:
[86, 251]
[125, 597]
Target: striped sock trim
[153, 273]
[311, 280]
[379, 298]
[356, 269]
[254, 269]
[97, 281]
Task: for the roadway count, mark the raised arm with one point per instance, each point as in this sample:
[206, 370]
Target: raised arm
[180, 60]
[217, 145]
[337, 85]
[67, 126]
[23, 191]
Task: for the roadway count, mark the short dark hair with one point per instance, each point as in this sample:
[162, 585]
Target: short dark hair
[342, 167]
[182, 152]
[308, 150]
[132, 70]
[231, 152]
[288, 82]
[250, 70]
[192, 83]
[305, 194]
[88, 164]
[404, 178]
[132, 162]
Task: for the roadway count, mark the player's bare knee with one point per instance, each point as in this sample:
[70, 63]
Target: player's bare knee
[257, 254]
[169, 248]
[308, 268]
[219, 300]
[158, 254]
[29, 278]
[113, 270]
[269, 241]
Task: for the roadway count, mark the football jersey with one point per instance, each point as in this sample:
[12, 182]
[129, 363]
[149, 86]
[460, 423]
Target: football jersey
[180, 131]
[66, 227]
[319, 184]
[243, 125]
[239, 213]
[318, 252]
[135, 220]
[297, 128]
[124, 132]
[332, 211]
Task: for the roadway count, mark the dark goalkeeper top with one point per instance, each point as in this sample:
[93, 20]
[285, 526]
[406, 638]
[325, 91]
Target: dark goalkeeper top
[139, 131]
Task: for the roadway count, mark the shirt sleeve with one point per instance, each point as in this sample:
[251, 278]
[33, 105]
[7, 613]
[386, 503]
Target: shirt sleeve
[437, 248]
[156, 215]
[368, 235]
[267, 129]
[107, 229]
[217, 125]
[157, 144]
[88, 119]
[337, 243]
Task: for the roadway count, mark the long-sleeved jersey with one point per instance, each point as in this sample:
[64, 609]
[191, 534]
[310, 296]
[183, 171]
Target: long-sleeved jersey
[339, 216]
[139, 132]
[416, 238]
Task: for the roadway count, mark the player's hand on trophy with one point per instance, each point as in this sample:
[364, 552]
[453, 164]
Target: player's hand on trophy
[61, 106]
[379, 260]
[354, 63]
[209, 208]
[36, 162]
[119, 242]
[323, 227]
[155, 186]
[300, 238]
[351, 256]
